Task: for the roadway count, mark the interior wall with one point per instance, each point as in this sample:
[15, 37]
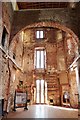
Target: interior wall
[52, 59]
[26, 51]
[6, 17]
[67, 17]
[57, 63]
[73, 89]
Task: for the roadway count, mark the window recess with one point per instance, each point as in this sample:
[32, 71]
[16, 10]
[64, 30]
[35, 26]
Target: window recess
[4, 37]
[40, 58]
[39, 34]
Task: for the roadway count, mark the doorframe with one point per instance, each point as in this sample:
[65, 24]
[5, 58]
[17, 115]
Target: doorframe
[45, 98]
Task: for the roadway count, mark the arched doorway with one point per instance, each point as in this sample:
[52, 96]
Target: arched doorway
[68, 38]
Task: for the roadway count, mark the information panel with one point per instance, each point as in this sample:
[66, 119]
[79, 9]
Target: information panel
[20, 98]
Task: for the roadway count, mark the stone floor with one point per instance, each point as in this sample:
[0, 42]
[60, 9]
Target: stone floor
[44, 111]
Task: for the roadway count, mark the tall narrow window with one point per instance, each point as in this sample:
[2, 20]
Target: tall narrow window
[4, 37]
[39, 34]
[69, 45]
[41, 91]
[40, 58]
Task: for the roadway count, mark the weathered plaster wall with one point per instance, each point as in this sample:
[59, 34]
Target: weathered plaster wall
[73, 89]
[6, 16]
[57, 51]
[67, 17]
[24, 53]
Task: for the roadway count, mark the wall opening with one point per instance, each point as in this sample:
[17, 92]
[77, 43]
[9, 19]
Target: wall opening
[40, 58]
[41, 91]
[4, 37]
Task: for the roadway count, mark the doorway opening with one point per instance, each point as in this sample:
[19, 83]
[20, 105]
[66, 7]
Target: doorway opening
[41, 91]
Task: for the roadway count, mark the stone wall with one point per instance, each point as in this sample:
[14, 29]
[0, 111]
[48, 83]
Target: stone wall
[73, 88]
[57, 61]
[18, 65]
[0, 50]
[16, 55]
[6, 17]
[67, 17]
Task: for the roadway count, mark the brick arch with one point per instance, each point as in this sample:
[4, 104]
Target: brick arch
[50, 24]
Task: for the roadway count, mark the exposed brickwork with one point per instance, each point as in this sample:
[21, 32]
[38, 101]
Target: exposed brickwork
[58, 57]
[73, 90]
[66, 17]
[6, 15]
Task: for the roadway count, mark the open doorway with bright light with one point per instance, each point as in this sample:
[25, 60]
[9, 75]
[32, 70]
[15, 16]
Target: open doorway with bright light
[41, 91]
